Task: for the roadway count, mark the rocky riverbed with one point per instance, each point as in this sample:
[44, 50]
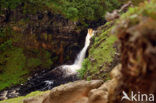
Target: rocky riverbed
[42, 80]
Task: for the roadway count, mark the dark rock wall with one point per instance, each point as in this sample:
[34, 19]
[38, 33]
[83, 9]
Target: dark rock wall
[45, 30]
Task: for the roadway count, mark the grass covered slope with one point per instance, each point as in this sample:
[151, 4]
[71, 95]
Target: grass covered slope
[102, 54]
[20, 99]
[16, 65]
[16, 62]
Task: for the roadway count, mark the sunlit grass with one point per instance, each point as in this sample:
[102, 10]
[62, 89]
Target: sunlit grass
[20, 99]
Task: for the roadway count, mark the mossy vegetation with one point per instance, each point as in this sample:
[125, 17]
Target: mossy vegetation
[76, 10]
[16, 62]
[12, 4]
[16, 65]
[101, 54]
[146, 9]
[21, 53]
[102, 51]
[136, 15]
[20, 99]
[83, 10]
[12, 62]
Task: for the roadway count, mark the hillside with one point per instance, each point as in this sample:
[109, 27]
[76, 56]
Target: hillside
[40, 35]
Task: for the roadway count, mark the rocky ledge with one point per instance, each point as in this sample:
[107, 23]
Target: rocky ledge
[81, 91]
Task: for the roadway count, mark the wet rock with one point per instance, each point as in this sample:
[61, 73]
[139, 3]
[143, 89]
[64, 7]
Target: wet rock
[41, 81]
[46, 80]
[94, 91]
[3, 95]
[81, 91]
[3, 98]
[12, 94]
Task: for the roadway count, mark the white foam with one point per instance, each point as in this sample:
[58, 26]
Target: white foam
[72, 69]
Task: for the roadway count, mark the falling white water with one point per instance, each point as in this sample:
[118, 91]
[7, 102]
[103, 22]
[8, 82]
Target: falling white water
[48, 84]
[72, 69]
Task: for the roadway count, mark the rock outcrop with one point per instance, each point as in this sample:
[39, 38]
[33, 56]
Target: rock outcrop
[43, 29]
[137, 34]
[136, 74]
[75, 92]
[94, 91]
[116, 13]
[38, 39]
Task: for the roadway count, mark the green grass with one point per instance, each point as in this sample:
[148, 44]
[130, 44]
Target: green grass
[16, 62]
[82, 11]
[16, 65]
[20, 99]
[135, 15]
[13, 61]
[101, 54]
[145, 9]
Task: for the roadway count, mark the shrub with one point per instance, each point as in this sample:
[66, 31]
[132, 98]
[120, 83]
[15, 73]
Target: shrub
[12, 4]
[84, 68]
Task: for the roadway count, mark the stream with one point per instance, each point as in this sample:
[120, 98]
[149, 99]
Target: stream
[47, 79]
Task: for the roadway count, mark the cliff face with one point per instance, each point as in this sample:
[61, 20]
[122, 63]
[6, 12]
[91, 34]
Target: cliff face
[42, 29]
[32, 38]
[136, 32]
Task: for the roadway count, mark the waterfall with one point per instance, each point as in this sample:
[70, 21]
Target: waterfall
[72, 69]
[69, 70]
[82, 53]
[47, 80]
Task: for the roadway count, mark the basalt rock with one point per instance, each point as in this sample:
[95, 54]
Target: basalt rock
[40, 81]
[46, 81]
[41, 35]
[44, 29]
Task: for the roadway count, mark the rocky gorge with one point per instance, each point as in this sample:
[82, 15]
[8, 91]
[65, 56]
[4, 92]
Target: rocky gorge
[44, 39]
[120, 59]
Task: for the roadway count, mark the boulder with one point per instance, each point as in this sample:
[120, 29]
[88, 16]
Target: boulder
[74, 92]
[81, 91]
